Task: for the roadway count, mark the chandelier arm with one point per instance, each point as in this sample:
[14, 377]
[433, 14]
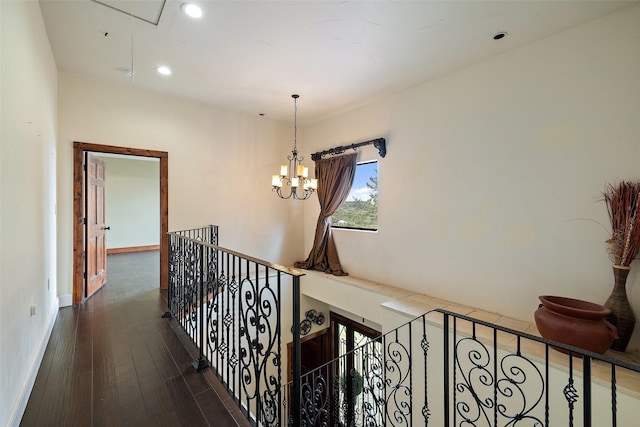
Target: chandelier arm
[307, 194]
[294, 193]
[278, 191]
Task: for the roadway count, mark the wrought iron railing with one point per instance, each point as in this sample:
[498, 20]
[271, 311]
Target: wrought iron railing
[441, 369]
[208, 234]
[237, 310]
[445, 369]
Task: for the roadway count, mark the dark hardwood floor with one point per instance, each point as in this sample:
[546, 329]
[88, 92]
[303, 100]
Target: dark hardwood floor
[113, 361]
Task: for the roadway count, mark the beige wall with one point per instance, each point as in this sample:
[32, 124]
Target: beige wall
[133, 201]
[489, 194]
[220, 164]
[27, 202]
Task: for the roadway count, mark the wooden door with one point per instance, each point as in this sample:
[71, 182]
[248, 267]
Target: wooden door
[95, 244]
[315, 351]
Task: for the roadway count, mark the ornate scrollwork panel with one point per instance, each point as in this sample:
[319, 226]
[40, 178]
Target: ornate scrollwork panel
[397, 365]
[260, 360]
[315, 401]
[482, 395]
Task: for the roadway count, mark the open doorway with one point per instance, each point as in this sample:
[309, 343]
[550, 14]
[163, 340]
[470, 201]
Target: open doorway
[79, 150]
[132, 208]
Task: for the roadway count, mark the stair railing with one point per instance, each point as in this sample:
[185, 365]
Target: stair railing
[445, 369]
[236, 308]
[440, 369]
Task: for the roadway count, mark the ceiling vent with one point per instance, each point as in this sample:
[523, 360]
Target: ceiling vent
[147, 11]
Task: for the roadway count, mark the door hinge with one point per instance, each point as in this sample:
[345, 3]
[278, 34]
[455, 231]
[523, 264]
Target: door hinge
[84, 275]
[84, 167]
[84, 221]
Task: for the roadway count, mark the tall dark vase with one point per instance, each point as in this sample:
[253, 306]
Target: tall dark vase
[621, 312]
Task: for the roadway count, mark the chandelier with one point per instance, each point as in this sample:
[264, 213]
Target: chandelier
[295, 175]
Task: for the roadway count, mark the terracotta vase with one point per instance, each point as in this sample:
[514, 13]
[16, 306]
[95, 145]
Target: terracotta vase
[622, 315]
[575, 322]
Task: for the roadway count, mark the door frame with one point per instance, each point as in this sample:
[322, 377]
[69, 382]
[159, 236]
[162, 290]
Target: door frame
[79, 148]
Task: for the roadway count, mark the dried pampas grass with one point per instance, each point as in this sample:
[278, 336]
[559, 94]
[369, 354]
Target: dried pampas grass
[622, 201]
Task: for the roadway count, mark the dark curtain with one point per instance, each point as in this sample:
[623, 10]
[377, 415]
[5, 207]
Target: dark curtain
[335, 177]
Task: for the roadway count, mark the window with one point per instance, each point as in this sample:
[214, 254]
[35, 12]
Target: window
[360, 210]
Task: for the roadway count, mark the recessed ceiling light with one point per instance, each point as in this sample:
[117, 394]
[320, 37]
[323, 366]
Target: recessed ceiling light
[500, 35]
[192, 10]
[164, 70]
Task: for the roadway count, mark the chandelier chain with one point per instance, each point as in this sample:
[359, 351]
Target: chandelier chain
[295, 123]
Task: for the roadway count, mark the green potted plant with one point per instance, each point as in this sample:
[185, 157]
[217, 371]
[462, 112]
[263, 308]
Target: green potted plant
[356, 380]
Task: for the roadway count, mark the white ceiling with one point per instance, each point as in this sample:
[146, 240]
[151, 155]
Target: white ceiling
[250, 56]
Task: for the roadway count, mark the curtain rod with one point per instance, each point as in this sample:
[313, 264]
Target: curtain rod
[379, 143]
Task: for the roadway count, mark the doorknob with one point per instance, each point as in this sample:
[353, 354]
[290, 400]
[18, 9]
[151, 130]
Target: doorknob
[106, 228]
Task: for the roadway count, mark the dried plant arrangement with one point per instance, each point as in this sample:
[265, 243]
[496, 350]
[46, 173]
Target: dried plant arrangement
[622, 201]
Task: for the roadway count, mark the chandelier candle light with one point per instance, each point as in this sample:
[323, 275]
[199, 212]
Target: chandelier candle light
[295, 175]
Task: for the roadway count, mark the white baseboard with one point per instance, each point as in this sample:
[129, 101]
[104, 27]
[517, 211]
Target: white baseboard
[20, 404]
[65, 300]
